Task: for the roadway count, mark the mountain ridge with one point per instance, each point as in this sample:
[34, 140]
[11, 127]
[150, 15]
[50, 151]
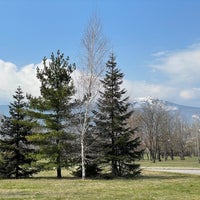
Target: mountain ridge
[186, 111]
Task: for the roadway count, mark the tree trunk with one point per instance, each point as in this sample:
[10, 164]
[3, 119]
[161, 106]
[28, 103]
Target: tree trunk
[59, 175]
[58, 161]
[159, 155]
[17, 172]
[147, 155]
[82, 156]
[83, 134]
[182, 156]
[153, 155]
[94, 49]
[166, 156]
[172, 154]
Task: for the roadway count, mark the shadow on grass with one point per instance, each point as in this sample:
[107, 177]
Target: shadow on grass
[164, 176]
[161, 177]
[147, 176]
[54, 178]
[141, 177]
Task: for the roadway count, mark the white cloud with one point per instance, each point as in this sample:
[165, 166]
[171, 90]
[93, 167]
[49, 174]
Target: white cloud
[187, 94]
[136, 89]
[11, 77]
[181, 66]
[190, 94]
[181, 69]
[173, 93]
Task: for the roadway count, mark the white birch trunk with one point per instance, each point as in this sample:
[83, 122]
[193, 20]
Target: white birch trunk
[83, 132]
[94, 50]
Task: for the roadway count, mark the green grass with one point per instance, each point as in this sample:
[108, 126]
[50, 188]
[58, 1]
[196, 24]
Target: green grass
[189, 162]
[150, 186]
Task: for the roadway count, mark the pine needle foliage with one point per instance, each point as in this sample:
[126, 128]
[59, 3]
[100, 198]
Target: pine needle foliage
[53, 109]
[17, 152]
[119, 144]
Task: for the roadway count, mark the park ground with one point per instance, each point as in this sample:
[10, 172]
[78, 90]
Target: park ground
[151, 185]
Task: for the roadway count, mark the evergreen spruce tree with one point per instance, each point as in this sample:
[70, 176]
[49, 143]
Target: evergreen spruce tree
[53, 109]
[118, 141]
[16, 151]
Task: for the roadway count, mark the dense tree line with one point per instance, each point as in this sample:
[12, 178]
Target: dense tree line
[43, 130]
[90, 125]
[164, 133]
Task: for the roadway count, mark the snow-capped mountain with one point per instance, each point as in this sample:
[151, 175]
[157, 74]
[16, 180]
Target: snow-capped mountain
[188, 112]
[139, 102]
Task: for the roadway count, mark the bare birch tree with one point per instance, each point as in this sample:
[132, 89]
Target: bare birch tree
[94, 48]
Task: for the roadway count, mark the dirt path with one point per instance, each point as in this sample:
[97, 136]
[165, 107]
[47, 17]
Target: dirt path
[195, 171]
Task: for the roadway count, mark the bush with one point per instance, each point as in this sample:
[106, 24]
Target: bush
[91, 170]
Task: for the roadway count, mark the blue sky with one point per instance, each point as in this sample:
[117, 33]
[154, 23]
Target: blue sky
[157, 42]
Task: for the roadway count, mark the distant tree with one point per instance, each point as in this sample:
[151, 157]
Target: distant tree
[16, 151]
[165, 133]
[180, 136]
[54, 109]
[194, 139]
[120, 145]
[166, 143]
[134, 122]
[154, 119]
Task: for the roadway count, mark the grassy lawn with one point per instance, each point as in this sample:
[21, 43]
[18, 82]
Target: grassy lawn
[189, 162]
[151, 185]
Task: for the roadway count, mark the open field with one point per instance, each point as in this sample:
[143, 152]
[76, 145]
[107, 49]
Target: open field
[150, 186]
[189, 162]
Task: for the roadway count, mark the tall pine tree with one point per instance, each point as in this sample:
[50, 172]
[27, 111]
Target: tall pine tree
[118, 141]
[16, 151]
[53, 109]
